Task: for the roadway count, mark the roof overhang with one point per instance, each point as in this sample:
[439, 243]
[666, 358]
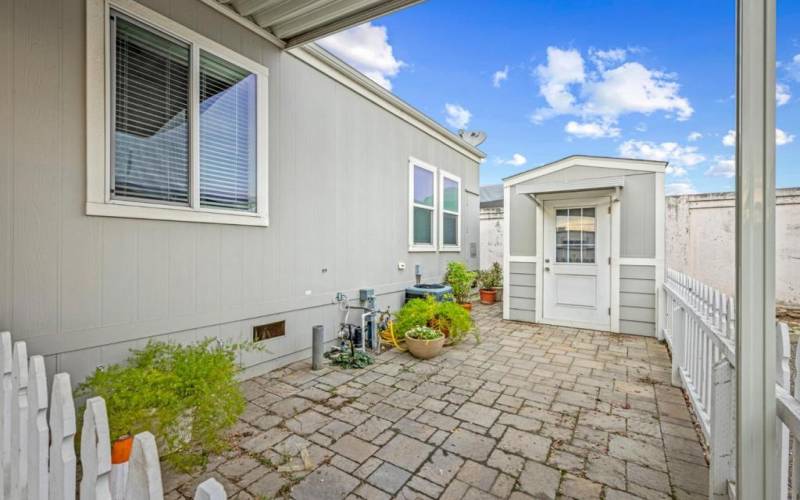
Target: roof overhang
[582, 185]
[289, 23]
[587, 161]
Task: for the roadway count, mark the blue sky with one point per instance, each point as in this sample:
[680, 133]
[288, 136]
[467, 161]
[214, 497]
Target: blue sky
[547, 79]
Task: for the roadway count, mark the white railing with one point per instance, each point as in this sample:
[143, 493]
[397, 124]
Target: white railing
[698, 323]
[37, 454]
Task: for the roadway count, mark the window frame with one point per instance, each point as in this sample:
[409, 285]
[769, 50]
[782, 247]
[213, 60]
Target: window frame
[99, 125]
[442, 246]
[422, 247]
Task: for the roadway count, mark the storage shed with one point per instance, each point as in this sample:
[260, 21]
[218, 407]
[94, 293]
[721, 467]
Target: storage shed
[584, 244]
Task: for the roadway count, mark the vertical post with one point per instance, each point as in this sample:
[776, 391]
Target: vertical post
[63, 426]
[6, 362]
[755, 249]
[38, 434]
[678, 342]
[19, 422]
[317, 345]
[95, 452]
[210, 489]
[144, 472]
[782, 377]
[723, 432]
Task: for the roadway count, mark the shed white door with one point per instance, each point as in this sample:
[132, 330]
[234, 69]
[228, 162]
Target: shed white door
[577, 272]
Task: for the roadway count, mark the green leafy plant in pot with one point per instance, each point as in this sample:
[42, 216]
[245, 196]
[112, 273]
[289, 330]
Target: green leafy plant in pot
[487, 281]
[460, 280]
[424, 342]
[497, 269]
[447, 317]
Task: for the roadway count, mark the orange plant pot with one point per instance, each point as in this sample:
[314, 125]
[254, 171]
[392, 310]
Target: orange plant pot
[121, 450]
[467, 306]
[488, 295]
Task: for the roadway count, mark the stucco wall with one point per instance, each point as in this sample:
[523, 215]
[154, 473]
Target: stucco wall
[491, 237]
[700, 239]
[84, 290]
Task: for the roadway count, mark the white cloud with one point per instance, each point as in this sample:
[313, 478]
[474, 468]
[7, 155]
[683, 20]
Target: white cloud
[723, 166]
[499, 76]
[679, 157]
[641, 127]
[679, 188]
[366, 47]
[781, 138]
[592, 130]
[516, 160]
[457, 115]
[793, 67]
[782, 94]
[695, 136]
[617, 87]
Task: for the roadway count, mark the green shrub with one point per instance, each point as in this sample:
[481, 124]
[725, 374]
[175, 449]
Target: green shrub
[460, 279]
[488, 279]
[448, 317]
[424, 333]
[497, 269]
[186, 395]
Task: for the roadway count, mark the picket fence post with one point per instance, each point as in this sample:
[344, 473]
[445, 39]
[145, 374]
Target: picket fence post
[95, 452]
[210, 489]
[144, 470]
[38, 434]
[723, 431]
[19, 422]
[6, 362]
[782, 378]
[678, 340]
[63, 462]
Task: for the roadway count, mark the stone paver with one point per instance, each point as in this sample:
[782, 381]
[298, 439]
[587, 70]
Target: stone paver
[532, 412]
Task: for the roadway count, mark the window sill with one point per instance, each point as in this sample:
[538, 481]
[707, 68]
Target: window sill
[450, 249]
[137, 211]
[422, 249]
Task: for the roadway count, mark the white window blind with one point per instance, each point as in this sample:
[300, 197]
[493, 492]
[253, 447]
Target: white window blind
[150, 86]
[227, 135]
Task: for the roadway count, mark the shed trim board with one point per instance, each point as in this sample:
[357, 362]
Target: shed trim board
[608, 188]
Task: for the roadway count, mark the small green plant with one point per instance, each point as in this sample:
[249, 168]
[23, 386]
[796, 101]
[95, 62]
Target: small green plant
[448, 317]
[186, 395]
[349, 358]
[460, 279]
[497, 269]
[488, 279]
[424, 333]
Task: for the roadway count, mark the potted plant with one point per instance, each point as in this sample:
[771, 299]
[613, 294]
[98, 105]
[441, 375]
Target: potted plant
[447, 317]
[488, 281]
[424, 342]
[460, 280]
[497, 269]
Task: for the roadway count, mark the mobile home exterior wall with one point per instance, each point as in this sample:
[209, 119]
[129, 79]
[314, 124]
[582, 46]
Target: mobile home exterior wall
[83, 290]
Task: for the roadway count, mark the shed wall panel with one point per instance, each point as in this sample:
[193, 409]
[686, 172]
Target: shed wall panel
[522, 224]
[638, 216]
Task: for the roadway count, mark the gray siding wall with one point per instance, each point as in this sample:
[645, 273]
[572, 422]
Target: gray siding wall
[83, 290]
[638, 216]
[522, 291]
[637, 300]
[522, 224]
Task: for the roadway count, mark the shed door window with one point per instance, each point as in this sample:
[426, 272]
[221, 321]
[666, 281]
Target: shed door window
[423, 205]
[575, 235]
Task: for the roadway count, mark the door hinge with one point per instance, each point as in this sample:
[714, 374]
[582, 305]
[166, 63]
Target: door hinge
[609, 311]
[609, 209]
[609, 261]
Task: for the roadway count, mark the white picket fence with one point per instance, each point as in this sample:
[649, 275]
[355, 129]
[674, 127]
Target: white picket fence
[38, 458]
[698, 323]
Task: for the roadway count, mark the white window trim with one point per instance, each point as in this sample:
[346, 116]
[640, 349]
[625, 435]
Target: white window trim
[422, 247]
[98, 122]
[442, 247]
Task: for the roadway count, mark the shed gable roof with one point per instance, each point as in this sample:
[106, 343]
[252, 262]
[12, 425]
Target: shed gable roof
[631, 164]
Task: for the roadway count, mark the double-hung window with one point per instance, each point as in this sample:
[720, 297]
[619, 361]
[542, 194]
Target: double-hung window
[182, 118]
[450, 213]
[434, 208]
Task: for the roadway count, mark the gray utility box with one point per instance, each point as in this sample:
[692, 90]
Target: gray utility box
[438, 290]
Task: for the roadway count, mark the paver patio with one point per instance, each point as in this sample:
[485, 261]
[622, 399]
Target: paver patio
[532, 411]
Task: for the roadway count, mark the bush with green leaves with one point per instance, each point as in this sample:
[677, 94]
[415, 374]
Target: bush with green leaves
[186, 395]
[424, 333]
[497, 269]
[460, 278]
[488, 279]
[446, 316]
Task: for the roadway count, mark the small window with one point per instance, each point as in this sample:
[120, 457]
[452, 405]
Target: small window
[450, 212]
[575, 235]
[423, 206]
[184, 122]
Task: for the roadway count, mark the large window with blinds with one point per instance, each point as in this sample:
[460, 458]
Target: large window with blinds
[186, 134]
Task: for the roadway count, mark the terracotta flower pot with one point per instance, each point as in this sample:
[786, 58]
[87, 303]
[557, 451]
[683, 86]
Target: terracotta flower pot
[425, 349]
[498, 297]
[467, 305]
[488, 295]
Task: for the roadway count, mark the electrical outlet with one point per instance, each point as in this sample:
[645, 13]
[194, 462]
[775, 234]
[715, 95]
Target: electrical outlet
[401, 266]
